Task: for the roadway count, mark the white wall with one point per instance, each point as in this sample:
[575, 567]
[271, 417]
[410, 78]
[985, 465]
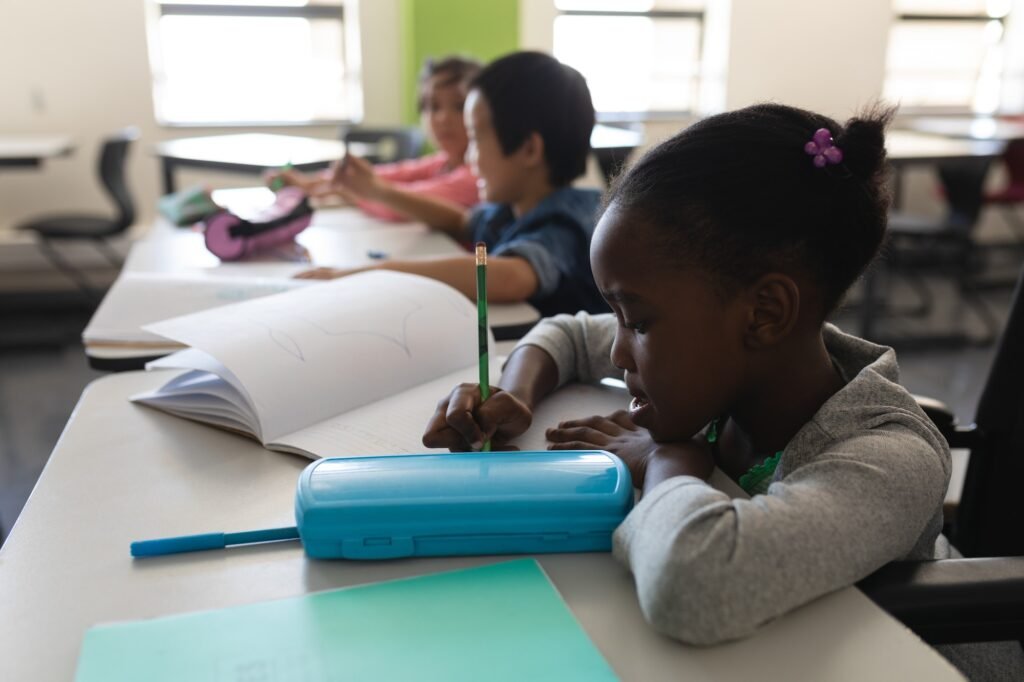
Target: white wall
[80, 68]
[824, 56]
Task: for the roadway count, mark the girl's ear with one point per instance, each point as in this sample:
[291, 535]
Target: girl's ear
[774, 307]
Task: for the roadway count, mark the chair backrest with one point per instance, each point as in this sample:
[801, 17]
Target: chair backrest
[113, 155]
[1013, 159]
[990, 516]
[964, 185]
[394, 144]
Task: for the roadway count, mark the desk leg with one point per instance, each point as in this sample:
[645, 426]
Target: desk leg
[167, 170]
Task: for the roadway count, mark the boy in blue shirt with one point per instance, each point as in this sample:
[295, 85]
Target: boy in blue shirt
[529, 120]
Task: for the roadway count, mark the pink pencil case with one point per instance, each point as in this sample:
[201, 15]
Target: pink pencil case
[230, 237]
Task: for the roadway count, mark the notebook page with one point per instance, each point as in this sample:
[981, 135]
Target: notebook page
[393, 425]
[316, 352]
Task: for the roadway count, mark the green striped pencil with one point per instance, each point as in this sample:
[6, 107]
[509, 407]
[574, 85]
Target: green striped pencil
[481, 327]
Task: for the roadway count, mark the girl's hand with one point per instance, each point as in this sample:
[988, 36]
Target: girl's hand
[649, 462]
[463, 422]
[355, 176]
[615, 433]
[289, 178]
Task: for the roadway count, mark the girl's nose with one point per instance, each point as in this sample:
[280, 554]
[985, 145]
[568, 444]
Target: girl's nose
[621, 357]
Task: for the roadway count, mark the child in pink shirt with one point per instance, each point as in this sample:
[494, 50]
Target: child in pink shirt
[443, 175]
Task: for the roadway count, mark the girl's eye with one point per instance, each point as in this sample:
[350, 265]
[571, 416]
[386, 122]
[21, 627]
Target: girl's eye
[638, 327]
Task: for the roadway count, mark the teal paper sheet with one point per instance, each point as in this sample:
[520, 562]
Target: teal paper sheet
[504, 621]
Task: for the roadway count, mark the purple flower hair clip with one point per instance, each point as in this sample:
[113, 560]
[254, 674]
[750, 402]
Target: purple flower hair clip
[823, 149]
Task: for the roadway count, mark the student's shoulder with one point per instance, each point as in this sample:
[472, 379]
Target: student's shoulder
[569, 208]
[872, 418]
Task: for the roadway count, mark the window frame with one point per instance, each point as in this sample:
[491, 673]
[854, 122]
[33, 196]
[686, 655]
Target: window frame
[649, 115]
[926, 109]
[337, 9]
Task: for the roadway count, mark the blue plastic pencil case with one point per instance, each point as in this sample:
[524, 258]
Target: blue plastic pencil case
[461, 504]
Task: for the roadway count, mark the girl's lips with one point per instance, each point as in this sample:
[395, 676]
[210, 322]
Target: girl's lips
[639, 409]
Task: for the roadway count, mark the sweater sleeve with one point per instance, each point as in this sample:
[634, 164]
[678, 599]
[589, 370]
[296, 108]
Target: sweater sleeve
[709, 568]
[580, 344]
[457, 186]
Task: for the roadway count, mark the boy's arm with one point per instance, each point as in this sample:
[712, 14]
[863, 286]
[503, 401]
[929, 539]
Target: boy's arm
[510, 279]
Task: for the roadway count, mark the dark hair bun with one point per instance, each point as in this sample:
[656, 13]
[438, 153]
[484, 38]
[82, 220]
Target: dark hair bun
[863, 142]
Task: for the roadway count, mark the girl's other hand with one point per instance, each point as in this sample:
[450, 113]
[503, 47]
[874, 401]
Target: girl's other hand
[615, 433]
[357, 176]
[462, 421]
[649, 462]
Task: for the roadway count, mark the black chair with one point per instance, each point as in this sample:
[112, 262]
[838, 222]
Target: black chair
[918, 246]
[96, 229]
[976, 598]
[389, 144]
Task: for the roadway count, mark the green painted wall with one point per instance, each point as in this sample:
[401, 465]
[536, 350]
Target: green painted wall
[484, 29]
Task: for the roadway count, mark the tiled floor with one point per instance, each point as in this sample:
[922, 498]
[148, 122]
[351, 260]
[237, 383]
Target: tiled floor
[40, 384]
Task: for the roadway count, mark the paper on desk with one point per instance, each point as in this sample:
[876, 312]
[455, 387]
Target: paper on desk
[499, 622]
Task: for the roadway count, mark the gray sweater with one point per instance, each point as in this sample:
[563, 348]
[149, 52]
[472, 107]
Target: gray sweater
[860, 485]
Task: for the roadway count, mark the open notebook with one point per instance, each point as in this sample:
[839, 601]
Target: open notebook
[354, 365]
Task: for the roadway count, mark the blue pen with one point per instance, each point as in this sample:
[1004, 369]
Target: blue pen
[196, 543]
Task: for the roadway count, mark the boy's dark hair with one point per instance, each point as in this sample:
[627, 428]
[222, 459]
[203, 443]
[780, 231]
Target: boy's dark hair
[737, 196]
[533, 92]
[449, 70]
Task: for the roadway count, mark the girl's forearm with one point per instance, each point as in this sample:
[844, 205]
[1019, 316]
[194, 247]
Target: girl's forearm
[530, 374]
[439, 214]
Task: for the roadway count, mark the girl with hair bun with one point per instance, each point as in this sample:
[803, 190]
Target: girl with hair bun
[722, 252]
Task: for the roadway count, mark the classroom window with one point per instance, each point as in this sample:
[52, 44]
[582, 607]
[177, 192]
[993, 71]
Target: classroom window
[254, 62]
[947, 54]
[638, 56]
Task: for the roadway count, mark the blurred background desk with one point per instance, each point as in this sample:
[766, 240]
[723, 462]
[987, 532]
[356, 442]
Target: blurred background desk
[968, 127]
[925, 244]
[249, 153]
[32, 150]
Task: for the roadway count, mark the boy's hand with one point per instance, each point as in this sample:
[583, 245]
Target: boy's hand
[322, 273]
[462, 422]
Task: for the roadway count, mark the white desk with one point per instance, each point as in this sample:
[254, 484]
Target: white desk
[30, 150]
[121, 472]
[904, 148]
[250, 153]
[342, 237]
[969, 127]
